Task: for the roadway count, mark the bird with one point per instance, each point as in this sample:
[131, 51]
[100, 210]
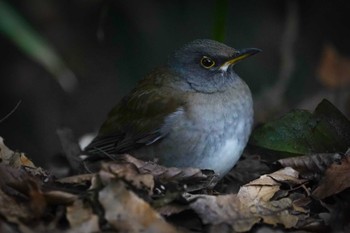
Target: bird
[194, 111]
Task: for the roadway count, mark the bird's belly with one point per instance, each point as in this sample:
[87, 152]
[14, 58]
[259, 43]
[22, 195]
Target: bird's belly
[202, 147]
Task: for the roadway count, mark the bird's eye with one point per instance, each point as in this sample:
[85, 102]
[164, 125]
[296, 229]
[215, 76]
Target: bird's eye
[207, 62]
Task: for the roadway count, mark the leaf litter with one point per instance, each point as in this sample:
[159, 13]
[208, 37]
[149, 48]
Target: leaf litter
[308, 193]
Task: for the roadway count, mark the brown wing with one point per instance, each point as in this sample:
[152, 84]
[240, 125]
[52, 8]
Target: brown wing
[138, 120]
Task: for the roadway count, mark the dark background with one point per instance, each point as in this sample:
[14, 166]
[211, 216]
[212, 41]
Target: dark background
[110, 45]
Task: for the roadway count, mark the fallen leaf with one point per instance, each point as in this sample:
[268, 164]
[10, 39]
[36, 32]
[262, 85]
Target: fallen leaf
[264, 188]
[13, 210]
[287, 175]
[37, 202]
[59, 197]
[224, 209]
[311, 164]
[194, 178]
[13, 159]
[126, 212]
[5, 152]
[20, 195]
[253, 203]
[76, 179]
[81, 218]
[171, 209]
[129, 173]
[336, 179]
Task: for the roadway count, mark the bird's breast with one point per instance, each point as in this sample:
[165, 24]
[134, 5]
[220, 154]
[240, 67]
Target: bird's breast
[212, 131]
[218, 110]
[209, 132]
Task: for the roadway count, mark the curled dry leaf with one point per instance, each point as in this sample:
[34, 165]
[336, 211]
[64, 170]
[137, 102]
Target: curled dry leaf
[126, 212]
[19, 160]
[13, 210]
[59, 198]
[5, 152]
[20, 195]
[336, 179]
[252, 204]
[201, 178]
[81, 218]
[316, 163]
[170, 209]
[129, 173]
[286, 175]
[77, 179]
[13, 159]
[224, 209]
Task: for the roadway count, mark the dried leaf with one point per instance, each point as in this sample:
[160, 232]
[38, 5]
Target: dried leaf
[81, 218]
[224, 209]
[336, 179]
[316, 163]
[252, 204]
[129, 173]
[37, 172]
[171, 209]
[126, 212]
[287, 175]
[190, 176]
[77, 179]
[5, 152]
[13, 159]
[264, 188]
[16, 179]
[37, 202]
[20, 195]
[59, 198]
[13, 210]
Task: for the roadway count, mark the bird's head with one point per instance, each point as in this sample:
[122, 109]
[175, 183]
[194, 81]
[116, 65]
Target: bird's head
[206, 65]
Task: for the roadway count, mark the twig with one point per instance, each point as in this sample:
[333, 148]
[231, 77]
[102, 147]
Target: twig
[11, 112]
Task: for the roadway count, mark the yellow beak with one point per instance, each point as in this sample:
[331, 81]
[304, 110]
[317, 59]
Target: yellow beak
[240, 55]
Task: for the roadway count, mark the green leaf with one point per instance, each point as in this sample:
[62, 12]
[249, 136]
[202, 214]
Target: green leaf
[302, 132]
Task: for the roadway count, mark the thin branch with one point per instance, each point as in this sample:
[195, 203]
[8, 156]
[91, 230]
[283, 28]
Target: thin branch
[11, 112]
